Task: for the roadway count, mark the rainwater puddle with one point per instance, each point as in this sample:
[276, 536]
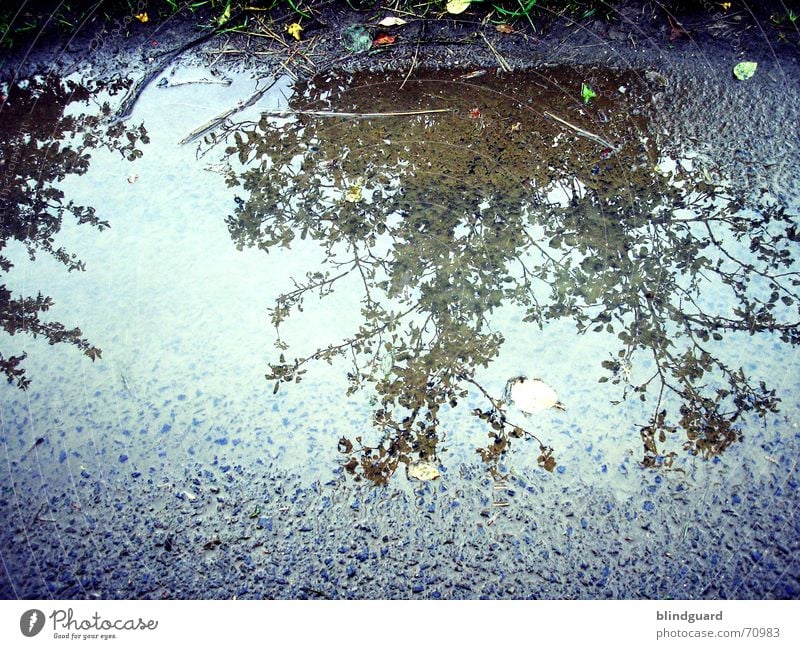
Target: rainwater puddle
[273, 328]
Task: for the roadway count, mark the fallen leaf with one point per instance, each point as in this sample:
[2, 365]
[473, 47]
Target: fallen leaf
[456, 7]
[294, 30]
[676, 32]
[504, 28]
[384, 39]
[474, 113]
[94, 353]
[392, 21]
[356, 39]
[587, 93]
[744, 70]
[532, 396]
[142, 17]
[423, 471]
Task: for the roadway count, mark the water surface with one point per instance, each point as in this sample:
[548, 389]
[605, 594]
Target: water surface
[281, 319]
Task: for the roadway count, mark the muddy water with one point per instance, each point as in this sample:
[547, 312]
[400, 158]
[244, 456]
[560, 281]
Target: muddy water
[285, 320]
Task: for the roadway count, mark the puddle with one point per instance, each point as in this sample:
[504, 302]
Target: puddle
[273, 329]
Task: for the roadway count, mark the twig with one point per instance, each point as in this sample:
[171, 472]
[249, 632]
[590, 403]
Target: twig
[38, 517]
[499, 409]
[216, 82]
[216, 121]
[582, 132]
[503, 63]
[411, 69]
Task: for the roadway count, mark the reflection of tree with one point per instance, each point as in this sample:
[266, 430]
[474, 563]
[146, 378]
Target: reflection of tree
[444, 218]
[39, 147]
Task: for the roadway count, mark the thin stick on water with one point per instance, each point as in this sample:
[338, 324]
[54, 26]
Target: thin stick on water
[218, 82]
[582, 132]
[332, 113]
[205, 128]
[411, 69]
[216, 121]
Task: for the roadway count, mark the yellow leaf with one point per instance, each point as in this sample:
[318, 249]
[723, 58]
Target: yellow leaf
[142, 18]
[353, 194]
[457, 6]
[294, 30]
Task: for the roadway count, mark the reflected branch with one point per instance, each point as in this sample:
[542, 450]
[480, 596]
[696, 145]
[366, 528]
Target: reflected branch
[41, 143]
[519, 213]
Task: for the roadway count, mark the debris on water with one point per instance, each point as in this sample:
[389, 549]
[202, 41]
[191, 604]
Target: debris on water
[356, 39]
[744, 70]
[423, 471]
[532, 396]
[656, 78]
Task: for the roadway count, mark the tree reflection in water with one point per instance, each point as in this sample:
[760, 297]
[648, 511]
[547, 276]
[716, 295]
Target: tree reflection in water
[41, 143]
[442, 218]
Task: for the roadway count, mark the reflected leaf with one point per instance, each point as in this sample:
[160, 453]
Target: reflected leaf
[353, 194]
